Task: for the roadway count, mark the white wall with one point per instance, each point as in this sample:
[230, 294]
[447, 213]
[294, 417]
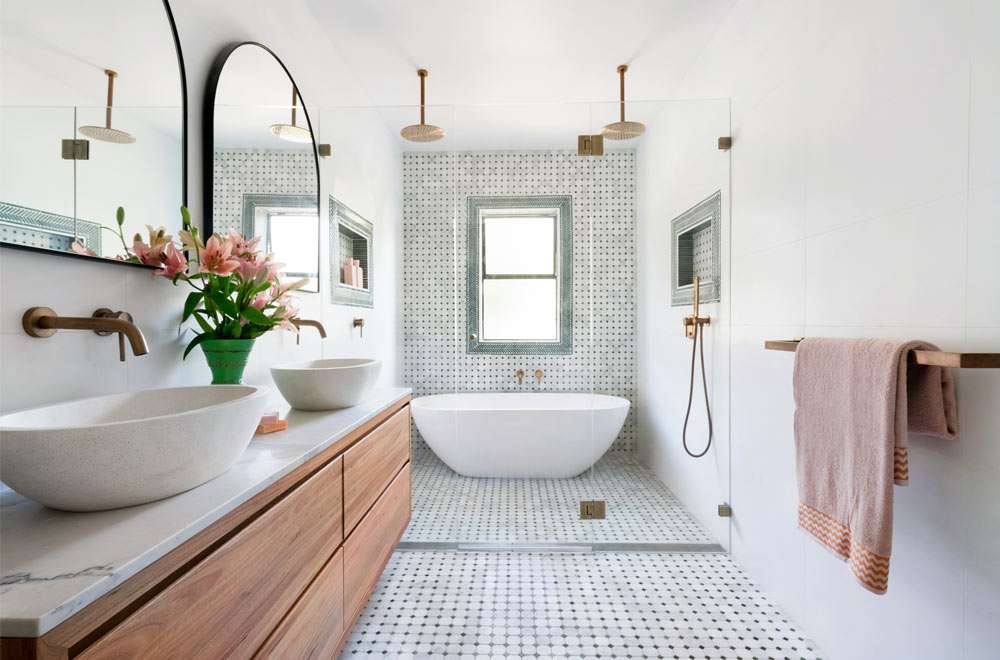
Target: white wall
[77, 364]
[865, 202]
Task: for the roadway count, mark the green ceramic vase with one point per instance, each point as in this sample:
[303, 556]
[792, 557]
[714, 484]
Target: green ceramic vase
[227, 358]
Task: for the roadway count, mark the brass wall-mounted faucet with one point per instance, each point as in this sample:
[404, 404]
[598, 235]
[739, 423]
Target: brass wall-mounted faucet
[359, 323]
[519, 375]
[298, 323]
[692, 320]
[43, 322]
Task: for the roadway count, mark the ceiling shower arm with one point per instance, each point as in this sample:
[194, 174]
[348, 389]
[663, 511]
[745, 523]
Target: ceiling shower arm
[111, 96]
[622, 68]
[423, 76]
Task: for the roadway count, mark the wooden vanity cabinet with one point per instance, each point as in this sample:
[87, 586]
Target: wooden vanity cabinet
[284, 575]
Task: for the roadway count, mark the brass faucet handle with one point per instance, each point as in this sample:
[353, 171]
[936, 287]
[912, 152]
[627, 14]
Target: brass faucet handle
[538, 376]
[105, 313]
[519, 375]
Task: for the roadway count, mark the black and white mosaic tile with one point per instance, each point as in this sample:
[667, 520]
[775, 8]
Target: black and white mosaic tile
[436, 186]
[559, 605]
[237, 172]
[448, 507]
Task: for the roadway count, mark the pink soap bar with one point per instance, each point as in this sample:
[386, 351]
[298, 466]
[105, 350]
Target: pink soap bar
[274, 427]
[269, 418]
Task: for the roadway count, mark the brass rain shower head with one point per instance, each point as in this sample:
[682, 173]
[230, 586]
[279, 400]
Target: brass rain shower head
[422, 132]
[292, 132]
[623, 130]
[106, 133]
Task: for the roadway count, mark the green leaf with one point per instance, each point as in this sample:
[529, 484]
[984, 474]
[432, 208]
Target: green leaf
[225, 305]
[194, 342]
[120, 216]
[199, 316]
[256, 316]
[191, 304]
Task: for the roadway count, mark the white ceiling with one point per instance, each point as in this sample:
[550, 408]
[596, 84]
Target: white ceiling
[517, 51]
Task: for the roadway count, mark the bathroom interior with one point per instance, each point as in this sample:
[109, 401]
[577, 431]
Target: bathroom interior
[499, 329]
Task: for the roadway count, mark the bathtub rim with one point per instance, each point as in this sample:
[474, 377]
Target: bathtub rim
[610, 402]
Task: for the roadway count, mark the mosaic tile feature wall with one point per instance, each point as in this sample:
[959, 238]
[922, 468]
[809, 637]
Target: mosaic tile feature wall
[436, 186]
[257, 171]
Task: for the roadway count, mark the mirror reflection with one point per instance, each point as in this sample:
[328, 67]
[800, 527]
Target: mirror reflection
[93, 120]
[264, 177]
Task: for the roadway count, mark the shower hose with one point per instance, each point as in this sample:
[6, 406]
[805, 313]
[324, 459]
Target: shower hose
[699, 331]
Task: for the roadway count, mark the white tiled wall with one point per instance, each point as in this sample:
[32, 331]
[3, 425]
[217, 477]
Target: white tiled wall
[865, 202]
[364, 173]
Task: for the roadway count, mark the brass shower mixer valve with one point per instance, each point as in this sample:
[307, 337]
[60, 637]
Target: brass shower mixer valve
[692, 321]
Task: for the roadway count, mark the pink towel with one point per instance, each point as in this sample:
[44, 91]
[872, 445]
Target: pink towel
[855, 401]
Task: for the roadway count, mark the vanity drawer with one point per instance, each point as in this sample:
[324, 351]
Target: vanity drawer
[228, 604]
[367, 549]
[371, 464]
[315, 625]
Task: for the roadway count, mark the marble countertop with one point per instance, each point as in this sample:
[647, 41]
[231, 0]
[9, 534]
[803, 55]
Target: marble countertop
[55, 563]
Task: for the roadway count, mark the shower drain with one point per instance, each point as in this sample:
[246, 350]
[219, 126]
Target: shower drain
[458, 546]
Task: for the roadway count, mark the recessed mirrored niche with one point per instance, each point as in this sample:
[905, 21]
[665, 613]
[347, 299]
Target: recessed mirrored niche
[352, 260]
[261, 168]
[93, 119]
[695, 252]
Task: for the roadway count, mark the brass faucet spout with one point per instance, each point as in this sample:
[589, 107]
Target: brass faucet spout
[44, 322]
[312, 324]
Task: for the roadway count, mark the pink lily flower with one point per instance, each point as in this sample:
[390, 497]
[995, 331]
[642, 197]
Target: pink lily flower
[80, 248]
[242, 246]
[217, 258]
[174, 262]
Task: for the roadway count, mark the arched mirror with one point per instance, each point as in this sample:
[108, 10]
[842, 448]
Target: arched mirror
[260, 161]
[93, 118]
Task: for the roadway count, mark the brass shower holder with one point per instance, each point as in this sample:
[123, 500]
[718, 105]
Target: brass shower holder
[692, 320]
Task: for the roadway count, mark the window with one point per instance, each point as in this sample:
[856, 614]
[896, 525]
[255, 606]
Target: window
[288, 227]
[520, 275]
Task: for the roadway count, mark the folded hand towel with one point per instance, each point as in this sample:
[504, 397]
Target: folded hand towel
[855, 402]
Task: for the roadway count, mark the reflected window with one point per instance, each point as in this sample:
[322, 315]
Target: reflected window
[293, 236]
[520, 272]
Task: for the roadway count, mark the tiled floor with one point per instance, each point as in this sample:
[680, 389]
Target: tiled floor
[640, 509]
[570, 605]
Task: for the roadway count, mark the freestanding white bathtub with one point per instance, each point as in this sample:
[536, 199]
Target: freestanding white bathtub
[519, 435]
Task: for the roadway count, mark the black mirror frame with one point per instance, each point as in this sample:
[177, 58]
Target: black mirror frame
[208, 142]
[184, 160]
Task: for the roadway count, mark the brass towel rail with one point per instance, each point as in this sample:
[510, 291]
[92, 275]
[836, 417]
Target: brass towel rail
[932, 358]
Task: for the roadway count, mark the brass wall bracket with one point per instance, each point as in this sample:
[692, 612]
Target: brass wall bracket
[76, 149]
[725, 511]
[725, 143]
[590, 145]
[592, 509]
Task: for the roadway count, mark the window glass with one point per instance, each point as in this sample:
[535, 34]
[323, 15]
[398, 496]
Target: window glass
[519, 245]
[520, 310]
[294, 238]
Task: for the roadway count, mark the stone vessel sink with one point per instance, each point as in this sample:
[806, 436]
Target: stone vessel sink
[124, 449]
[326, 384]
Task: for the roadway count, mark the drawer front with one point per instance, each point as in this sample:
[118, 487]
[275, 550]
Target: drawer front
[228, 604]
[314, 626]
[371, 464]
[367, 550]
